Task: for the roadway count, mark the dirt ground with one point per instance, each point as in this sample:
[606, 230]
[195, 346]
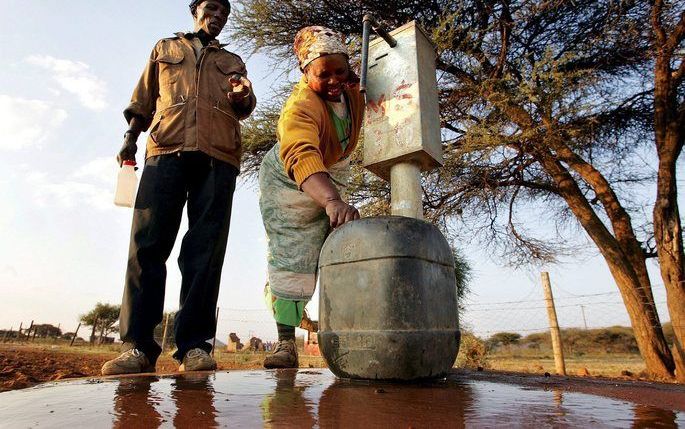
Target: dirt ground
[23, 365]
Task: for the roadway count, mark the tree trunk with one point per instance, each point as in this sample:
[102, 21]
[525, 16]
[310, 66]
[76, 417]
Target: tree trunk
[668, 235]
[669, 134]
[637, 299]
[667, 227]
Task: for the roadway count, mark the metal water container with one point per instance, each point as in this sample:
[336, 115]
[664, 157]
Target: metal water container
[388, 301]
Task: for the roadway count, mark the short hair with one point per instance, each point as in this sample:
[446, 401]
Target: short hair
[195, 3]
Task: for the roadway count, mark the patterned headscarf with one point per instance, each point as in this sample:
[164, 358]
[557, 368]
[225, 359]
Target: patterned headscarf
[314, 42]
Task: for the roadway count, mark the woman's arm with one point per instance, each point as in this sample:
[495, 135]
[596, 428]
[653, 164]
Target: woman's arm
[320, 188]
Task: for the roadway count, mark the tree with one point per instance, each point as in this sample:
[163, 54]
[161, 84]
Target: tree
[47, 331]
[503, 339]
[102, 318]
[668, 28]
[544, 110]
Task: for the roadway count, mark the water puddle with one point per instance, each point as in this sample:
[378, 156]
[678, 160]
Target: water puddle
[307, 399]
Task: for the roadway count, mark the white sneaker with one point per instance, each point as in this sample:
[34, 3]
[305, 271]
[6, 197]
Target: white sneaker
[197, 360]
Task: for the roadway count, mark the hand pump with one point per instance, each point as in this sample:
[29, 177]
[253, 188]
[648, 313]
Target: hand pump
[369, 24]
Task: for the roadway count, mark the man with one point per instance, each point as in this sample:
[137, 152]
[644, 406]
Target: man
[191, 96]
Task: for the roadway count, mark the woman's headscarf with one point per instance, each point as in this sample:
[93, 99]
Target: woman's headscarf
[314, 42]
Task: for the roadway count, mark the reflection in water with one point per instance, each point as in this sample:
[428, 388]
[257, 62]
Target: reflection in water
[134, 404]
[193, 395]
[305, 399]
[355, 404]
[286, 406]
[650, 417]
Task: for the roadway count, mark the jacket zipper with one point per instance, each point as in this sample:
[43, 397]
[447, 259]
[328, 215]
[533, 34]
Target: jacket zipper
[225, 112]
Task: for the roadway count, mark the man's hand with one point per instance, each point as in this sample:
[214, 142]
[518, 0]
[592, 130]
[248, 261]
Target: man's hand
[240, 88]
[129, 149]
[340, 212]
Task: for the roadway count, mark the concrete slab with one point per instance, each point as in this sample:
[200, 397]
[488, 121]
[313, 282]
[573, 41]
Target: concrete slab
[315, 398]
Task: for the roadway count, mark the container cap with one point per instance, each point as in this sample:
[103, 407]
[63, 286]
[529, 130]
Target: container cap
[129, 162]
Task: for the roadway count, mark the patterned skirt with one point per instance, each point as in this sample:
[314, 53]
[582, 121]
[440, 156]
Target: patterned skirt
[296, 228]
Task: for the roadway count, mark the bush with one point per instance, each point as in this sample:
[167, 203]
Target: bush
[472, 352]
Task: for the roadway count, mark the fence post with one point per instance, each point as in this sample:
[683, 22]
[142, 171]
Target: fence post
[166, 327]
[75, 334]
[28, 333]
[21, 324]
[553, 326]
[215, 328]
[582, 310]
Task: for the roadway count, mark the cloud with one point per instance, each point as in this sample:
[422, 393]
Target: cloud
[9, 271]
[92, 185]
[25, 123]
[75, 77]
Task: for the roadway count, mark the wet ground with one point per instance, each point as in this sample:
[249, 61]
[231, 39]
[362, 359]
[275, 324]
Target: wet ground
[315, 398]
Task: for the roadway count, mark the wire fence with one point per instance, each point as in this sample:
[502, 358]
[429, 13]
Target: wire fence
[525, 315]
[529, 314]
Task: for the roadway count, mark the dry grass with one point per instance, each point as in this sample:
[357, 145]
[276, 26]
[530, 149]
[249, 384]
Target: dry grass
[600, 365]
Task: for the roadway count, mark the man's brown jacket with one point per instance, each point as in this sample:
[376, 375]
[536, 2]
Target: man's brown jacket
[182, 99]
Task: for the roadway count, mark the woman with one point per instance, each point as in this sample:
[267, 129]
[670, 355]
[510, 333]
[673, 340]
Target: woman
[303, 176]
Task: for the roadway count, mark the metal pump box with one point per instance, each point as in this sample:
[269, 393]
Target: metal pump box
[402, 121]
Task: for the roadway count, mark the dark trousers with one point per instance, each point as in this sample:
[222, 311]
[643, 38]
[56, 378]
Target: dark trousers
[168, 181]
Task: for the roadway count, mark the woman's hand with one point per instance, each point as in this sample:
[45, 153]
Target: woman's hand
[340, 212]
[320, 187]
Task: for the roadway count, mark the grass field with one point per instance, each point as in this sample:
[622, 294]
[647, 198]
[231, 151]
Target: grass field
[600, 365]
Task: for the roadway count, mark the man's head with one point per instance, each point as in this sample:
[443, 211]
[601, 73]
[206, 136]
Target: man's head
[210, 15]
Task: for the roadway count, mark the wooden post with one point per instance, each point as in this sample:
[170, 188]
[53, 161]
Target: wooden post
[28, 333]
[19, 331]
[35, 330]
[553, 326]
[582, 310]
[215, 328]
[75, 334]
[166, 327]
[92, 334]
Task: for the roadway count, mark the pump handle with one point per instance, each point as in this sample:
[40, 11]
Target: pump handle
[369, 23]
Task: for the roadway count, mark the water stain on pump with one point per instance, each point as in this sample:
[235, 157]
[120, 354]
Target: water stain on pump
[292, 398]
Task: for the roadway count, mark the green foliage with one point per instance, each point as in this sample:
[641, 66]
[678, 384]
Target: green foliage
[503, 339]
[615, 339]
[47, 331]
[104, 317]
[462, 272]
[520, 82]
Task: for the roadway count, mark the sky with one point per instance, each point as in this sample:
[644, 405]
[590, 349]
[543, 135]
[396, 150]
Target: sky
[68, 72]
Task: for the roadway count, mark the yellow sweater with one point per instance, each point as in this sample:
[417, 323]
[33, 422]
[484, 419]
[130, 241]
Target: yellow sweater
[309, 142]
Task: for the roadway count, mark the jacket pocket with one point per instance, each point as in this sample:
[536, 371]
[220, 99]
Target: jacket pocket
[170, 65]
[226, 69]
[225, 131]
[169, 130]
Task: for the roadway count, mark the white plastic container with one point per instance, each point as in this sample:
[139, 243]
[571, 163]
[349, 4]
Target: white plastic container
[127, 185]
